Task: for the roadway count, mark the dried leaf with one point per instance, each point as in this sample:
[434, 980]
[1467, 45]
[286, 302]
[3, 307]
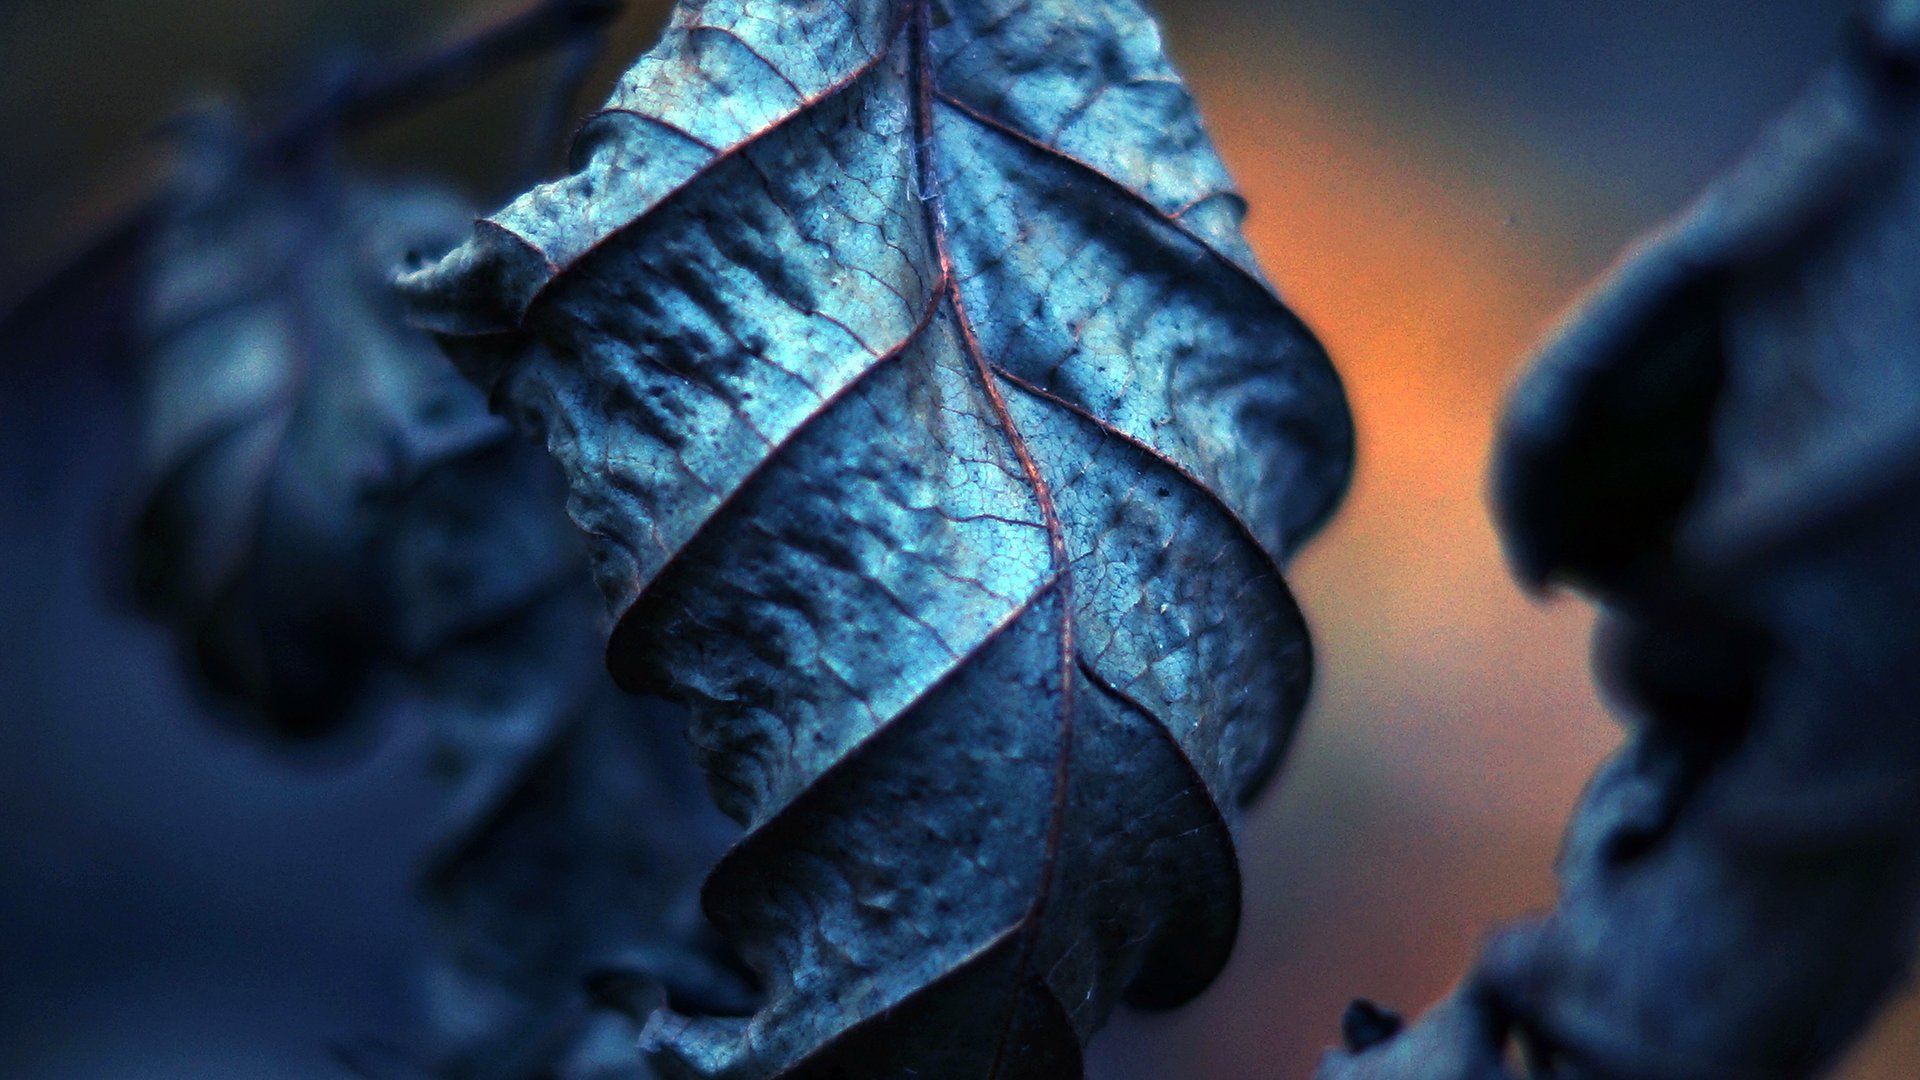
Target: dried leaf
[342, 529]
[1752, 353]
[1725, 447]
[940, 444]
[569, 854]
[565, 885]
[285, 410]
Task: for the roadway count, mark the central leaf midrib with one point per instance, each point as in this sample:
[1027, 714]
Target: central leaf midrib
[922, 84]
[926, 95]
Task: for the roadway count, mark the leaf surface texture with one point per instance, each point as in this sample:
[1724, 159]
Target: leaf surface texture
[940, 445]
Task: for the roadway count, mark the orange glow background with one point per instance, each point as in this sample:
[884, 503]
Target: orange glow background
[1454, 723]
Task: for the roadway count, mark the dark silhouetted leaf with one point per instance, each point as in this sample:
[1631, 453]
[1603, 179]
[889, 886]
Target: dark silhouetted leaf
[1725, 447]
[285, 411]
[940, 444]
[340, 528]
[1755, 352]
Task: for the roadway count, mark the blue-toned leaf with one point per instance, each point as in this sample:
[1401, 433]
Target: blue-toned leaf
[1751, 356]
[339, 528]
[940, 444]
[284, 412]
[1723, 445]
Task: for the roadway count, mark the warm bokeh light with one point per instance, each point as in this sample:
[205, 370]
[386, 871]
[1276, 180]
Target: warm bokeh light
[1454, 724]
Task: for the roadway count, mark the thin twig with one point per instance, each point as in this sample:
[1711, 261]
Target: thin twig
[354, 105]
[368, 101]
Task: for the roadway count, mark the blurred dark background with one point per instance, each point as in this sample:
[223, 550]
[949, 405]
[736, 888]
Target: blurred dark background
[1431, 181]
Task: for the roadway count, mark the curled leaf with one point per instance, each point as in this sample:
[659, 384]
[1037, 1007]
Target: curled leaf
[285, 409]
[1753, 352]
[340, 528]
[1724, 446]
[940, 445]
[563, 884]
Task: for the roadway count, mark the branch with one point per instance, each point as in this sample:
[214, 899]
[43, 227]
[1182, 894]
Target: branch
[359, 103]
[374, 99]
